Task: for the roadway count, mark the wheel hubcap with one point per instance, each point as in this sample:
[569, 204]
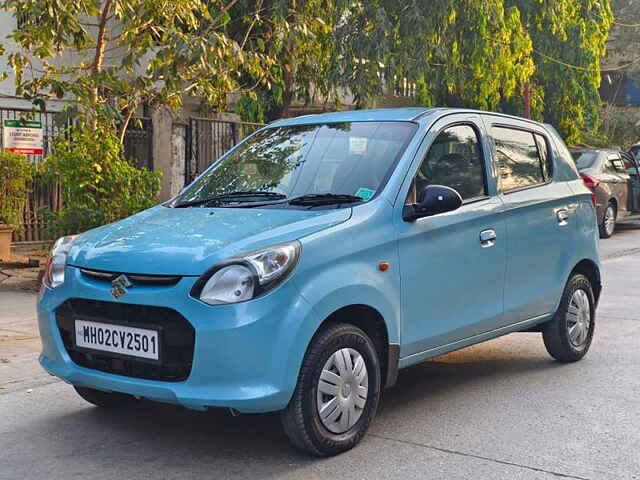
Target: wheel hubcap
[609, 219]
[579, 318]
[342, 390]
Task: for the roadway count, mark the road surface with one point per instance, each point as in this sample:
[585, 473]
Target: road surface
[500, 410]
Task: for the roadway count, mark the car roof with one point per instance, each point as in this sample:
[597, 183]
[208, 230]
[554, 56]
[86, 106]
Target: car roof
[596, 150]
[407, 114]
[369, 115]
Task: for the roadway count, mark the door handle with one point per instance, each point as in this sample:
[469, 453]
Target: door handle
[488, 238]
[563, 216]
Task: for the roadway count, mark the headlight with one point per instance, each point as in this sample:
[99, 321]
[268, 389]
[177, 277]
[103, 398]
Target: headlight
[247, 276]
[54, 269]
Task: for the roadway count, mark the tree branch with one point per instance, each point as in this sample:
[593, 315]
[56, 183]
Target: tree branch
[99, 57]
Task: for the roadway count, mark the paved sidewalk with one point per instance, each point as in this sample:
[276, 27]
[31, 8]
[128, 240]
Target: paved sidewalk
[19, 343]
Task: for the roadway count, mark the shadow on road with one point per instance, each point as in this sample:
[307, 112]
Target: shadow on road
[175, 438]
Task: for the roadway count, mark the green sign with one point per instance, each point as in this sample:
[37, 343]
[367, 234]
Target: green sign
[22, 123]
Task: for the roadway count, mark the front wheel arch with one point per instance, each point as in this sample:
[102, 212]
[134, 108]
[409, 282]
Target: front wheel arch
[370, 321]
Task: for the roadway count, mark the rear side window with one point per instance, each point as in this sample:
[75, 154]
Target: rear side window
[618, 164]
[586, 160]
[523, 158]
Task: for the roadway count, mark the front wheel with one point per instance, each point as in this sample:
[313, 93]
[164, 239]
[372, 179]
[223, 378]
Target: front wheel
[337, 393]
[568, 335]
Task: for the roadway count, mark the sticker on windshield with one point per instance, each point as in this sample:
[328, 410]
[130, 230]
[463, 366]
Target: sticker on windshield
[365, 193]
[358, 145]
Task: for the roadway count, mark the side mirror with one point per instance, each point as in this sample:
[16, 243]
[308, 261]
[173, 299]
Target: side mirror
[433, 200]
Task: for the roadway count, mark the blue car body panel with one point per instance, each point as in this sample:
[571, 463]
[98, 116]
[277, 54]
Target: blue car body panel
[187, 241]
[442, 290]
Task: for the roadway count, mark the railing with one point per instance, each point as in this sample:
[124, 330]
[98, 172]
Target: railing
[138, 142]
[208, 139]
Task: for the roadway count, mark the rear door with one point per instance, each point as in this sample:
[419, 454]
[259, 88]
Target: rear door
[631, 169]
[618, 179]
[539, 215]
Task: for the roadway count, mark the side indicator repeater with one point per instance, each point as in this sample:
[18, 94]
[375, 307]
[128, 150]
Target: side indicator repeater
[383, 266]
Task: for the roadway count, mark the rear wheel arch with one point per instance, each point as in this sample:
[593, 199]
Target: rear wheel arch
[590, 269]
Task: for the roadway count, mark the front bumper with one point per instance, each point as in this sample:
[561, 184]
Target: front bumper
[246, 356]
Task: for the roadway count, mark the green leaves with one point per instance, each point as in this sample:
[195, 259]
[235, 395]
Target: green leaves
[112, 56]
[16, 172]
[569, 39]
[97, 184]
[468, 53]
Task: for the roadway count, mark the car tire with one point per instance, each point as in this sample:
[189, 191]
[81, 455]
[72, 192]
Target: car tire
[608, 224]
[329, 379]
[105, 399]
[569, 334]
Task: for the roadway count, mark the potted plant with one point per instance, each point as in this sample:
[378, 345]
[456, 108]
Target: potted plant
[16, 172]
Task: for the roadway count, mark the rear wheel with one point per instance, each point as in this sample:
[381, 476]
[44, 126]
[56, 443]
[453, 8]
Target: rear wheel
[105, 399]
[608, 225]
[337, 393]
[568, 336]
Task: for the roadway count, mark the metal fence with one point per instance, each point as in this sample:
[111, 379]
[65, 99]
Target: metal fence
[208, 139]
[44, 195]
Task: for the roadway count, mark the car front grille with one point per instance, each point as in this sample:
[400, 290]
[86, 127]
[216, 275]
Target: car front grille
[176, 343]
[136, 279]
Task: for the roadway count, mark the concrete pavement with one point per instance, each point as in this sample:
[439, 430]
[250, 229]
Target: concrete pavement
[500, 410]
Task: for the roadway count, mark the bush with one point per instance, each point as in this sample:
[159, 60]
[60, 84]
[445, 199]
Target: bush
[16, 172]
[98, 185]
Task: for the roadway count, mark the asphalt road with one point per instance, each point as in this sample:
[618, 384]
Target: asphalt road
[500, 410]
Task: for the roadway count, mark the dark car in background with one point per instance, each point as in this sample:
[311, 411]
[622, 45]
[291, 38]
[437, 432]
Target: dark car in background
[614, 179]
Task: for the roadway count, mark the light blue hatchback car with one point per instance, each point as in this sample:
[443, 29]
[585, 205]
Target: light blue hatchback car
[321, 255]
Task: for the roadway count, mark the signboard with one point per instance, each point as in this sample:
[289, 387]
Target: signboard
[22, 136]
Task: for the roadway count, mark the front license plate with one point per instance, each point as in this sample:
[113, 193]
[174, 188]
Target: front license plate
[131, 341]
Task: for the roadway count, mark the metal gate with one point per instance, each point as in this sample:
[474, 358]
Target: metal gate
[208, 139]
[138, 144]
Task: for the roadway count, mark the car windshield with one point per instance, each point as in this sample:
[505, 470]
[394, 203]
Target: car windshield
[586, 160]
[280, 163]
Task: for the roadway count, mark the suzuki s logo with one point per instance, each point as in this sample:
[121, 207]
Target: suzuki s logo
[120, 286]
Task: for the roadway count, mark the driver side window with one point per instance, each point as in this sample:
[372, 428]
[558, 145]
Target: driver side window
[453, 160]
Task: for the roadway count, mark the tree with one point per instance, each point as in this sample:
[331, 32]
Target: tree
[569, 41]
[112, 56]
[298, 34]
[623, 48]
[461, 53]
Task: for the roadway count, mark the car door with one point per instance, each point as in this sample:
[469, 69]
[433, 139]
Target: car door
[618, 178]
[539, 214]
[631, 169]
[452, 265]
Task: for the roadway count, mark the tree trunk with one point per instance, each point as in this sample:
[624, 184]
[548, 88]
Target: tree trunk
[281, 110]
[96, 67]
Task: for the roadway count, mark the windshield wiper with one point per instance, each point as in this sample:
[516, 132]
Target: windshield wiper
[240, 194]
[324, 199]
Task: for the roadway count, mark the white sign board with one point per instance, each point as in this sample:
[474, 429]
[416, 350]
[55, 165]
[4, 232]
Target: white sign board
[22, 136]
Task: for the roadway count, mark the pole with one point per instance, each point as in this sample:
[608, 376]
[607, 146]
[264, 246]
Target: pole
[527, 100]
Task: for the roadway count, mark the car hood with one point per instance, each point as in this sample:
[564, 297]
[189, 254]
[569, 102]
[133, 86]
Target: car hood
[188, 241]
